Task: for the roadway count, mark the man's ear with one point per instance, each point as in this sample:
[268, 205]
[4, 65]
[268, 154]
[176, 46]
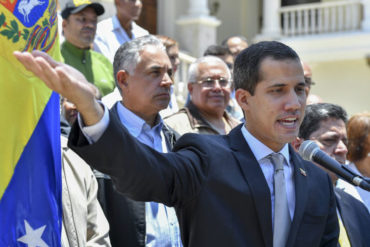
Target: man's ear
[190, 88]
[297, 143]
[242, 97]
[122, 77]
[64, 24]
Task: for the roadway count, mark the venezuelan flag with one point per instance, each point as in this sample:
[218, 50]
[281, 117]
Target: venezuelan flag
[30, 159]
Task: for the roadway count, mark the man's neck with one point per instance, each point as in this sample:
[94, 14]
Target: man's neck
[149, 118]
[77, 45]
[126, 24]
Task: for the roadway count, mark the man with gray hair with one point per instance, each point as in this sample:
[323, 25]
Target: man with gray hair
[209, 88]
[143, 77]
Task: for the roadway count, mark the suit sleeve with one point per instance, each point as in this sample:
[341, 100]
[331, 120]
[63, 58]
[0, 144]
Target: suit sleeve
[139, 171]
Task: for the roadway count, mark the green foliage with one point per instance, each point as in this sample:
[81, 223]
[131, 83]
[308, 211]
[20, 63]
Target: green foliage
[2, 19]
[8, 33]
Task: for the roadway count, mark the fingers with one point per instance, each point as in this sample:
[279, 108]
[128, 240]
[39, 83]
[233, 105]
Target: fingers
[48, 74]
[28, 62]
[46, 56]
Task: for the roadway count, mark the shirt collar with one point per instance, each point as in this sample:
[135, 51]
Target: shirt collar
[117, 25]
[74, 49]
[134, 124]
[259, 149]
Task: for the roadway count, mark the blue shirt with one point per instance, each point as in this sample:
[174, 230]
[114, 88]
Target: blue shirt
[260, 152]
[162, 228]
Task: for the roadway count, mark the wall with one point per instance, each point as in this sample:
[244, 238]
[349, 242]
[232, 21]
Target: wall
[238, 17]
[346, 83]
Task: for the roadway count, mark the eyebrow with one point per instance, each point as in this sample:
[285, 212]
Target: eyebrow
[157, 67]
[284, 84]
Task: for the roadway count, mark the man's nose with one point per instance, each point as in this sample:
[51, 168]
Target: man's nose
[166, 80]
[293, 101]
[217, 85]
[341, 148]
[91, 24]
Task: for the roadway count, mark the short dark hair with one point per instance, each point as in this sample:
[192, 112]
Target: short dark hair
[217, 50]
[248, 62]
[316, 113]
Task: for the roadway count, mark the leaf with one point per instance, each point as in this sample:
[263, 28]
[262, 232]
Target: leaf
[45, 23]
[25, 34]
[2, 19]
[14, 25]
[15, 38]
[8, 33]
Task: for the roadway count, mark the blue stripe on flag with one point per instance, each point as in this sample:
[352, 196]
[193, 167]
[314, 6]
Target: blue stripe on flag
[33, 195]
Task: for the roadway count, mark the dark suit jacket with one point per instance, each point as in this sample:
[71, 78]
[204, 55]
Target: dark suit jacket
[216, 186]
[126, 217]
[355, 217]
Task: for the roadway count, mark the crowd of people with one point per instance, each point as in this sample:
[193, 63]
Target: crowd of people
[140, 178]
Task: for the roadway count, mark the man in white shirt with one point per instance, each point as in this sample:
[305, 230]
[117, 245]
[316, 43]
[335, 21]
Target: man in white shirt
[120, 28]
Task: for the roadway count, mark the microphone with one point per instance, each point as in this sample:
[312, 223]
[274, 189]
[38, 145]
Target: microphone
[310, 151]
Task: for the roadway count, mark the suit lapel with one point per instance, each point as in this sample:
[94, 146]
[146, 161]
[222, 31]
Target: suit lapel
[300, 181]
[256, 181]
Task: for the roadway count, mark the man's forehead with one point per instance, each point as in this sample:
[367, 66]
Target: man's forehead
[332, 125]
[152, 55]
[214, 67]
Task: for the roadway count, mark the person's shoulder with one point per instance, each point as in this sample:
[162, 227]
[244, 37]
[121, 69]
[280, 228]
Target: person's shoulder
[101, 58]
[179, 121]
[103, 28]
[357, 206]
[342, 194]
[74, 162]
[202, 142]
[106, 23]
[175, 117]
[138, 30]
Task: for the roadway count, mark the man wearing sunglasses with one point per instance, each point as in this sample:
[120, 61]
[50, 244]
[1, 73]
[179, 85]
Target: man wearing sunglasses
[209, 88]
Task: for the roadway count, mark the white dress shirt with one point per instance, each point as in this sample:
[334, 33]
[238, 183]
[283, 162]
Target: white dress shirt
[162, 228]
[260, 152]
[110, 35]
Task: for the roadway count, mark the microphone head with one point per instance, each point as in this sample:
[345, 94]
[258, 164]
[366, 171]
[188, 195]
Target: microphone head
[307, 149]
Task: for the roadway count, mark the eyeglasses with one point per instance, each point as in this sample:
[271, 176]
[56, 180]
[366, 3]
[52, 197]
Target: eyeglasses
[211, 82]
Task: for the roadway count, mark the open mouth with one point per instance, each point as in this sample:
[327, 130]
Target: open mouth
[288, 122]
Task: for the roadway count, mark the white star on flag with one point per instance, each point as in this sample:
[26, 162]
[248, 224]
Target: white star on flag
[33, 237]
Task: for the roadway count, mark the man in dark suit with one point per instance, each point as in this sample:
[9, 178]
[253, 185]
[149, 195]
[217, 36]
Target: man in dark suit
[222, 187]
[326, 124]
[142, 70]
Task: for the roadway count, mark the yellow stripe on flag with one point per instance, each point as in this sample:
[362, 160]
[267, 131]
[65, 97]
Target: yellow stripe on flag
[23, 97]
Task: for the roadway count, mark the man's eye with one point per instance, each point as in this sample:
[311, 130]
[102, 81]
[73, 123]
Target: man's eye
[329, 142]
[300, 89]
[276, 90]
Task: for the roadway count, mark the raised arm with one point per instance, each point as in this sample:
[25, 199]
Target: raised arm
[65, 80]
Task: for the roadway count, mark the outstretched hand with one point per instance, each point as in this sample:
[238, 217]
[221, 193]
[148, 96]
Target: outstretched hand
[65, 80]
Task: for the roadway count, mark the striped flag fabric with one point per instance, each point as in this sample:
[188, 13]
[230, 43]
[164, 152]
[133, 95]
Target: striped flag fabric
[30, 153]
